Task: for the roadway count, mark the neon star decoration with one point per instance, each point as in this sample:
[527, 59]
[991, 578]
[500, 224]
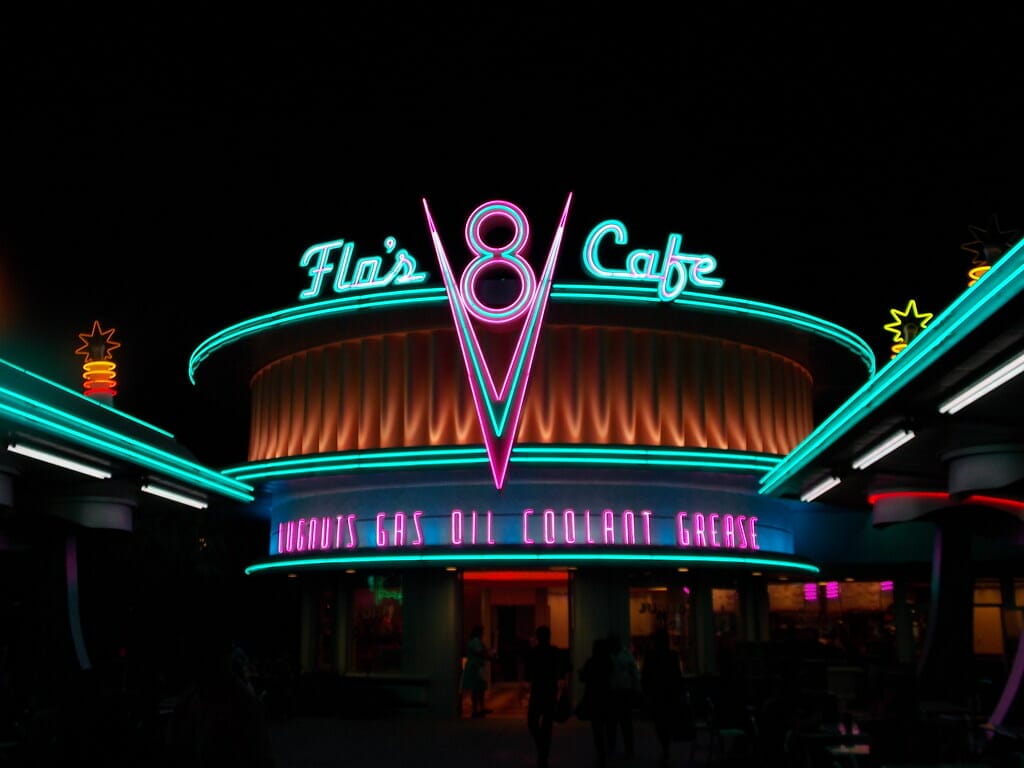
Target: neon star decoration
[99, 370]
[906, 325]
[498, 408]
[987, 247]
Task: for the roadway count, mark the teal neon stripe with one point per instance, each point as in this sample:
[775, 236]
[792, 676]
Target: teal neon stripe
[65, 425]
[484, 559]
[973, 307]
[91, 400]
[431, 458]
[569, 292]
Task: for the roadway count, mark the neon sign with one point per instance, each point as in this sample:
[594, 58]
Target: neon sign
[641, 265]
[906, 325]
[99, 369]
[532, 527]
[364, 274]
[498, 408]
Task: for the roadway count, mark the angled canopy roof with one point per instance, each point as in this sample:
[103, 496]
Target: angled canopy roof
[976, 335]
[41, 415]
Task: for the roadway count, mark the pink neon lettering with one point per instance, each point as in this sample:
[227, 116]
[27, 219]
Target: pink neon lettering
[608, 526]
[729, 531]
[339, 531]
[457, 527]
[353, 537]
[569, 526]
[490, 529]
[280, 538]
[682, 532]
[645, 515]
[526, 526]
[742, 531]
[290, 544]
[399, 527]
[549, 526]
[382, 535]
[590, 536]
[300, 543]
[699, 538]
[628, 530]
[312, 529]
[418, 528]
[713, 521]
[325, 533]
[753, 533]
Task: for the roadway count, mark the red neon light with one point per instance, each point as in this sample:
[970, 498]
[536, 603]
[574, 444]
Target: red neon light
[546, 576]
[98, 370]
[981, 500]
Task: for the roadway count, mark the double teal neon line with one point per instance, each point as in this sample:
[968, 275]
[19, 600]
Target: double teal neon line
[1003, 282]
[55, 421]
[489, 559]
[553, 455]
[560, 292]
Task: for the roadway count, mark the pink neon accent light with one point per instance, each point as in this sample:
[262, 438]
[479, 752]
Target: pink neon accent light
[810, 592]
[832, 590]
[885, 586]
[528, 309]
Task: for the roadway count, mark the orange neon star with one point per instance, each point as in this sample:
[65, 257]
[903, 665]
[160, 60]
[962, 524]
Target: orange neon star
[97, 344]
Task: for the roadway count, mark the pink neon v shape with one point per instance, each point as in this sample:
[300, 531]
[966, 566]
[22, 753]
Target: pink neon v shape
[498, 409]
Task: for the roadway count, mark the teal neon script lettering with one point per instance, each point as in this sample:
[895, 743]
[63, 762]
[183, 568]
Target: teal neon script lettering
[672, 274]
[363, 275]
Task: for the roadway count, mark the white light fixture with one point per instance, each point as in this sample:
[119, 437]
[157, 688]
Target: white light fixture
[984, 385]
[815, 491]
[59, 460]
[884, 448]
[167, 493]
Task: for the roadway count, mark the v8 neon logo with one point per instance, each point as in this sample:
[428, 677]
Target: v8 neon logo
[498, 407]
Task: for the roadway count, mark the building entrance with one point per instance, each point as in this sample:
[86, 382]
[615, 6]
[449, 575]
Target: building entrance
[510, 605]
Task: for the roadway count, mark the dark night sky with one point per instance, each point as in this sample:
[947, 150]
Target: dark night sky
[163, 170]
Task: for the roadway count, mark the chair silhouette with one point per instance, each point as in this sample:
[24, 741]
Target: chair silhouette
[719, 741]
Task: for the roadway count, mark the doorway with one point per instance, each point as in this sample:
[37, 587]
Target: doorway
[510, 605]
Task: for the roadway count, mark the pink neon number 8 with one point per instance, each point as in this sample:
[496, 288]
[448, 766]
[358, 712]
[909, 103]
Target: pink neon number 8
[507, 256]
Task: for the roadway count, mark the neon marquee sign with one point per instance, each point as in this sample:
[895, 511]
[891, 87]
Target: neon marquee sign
[532, 527]
[499, 386]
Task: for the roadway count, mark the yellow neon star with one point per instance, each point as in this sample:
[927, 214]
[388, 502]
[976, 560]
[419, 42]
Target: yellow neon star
[908, 318]
[97, 344]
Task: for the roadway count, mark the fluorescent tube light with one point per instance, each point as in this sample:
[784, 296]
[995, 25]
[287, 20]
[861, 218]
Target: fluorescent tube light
[58, 460]
[984, 385]
[815, 491]
[884, 448]
[167, 493]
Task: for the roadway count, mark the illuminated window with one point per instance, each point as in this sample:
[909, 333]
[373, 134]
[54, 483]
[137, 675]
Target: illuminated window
[377, 624]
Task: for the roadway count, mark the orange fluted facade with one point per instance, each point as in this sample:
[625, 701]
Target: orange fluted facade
[590, 385]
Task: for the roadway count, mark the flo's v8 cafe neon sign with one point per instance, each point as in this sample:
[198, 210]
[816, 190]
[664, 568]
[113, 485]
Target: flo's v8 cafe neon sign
[499, 387]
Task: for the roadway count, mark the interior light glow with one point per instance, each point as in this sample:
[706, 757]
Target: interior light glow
[984, 385]
[532, 557]
[172, 495]
[884, 448]
[817, 490]
[60, 461]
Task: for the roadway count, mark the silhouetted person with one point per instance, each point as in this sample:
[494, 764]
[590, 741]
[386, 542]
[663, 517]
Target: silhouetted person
[596, 676]
[218, 721]
[473, 674]
[662, 684]
[622, 697]
[547, 669]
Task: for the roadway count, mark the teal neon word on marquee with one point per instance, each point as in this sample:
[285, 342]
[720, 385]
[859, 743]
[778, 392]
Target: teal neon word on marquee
[672, 274]
[364, 274]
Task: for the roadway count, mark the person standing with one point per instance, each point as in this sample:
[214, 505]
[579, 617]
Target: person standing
[661, 680]
[625, 686]
[596, 676]
[474, 677]
[547, 670]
